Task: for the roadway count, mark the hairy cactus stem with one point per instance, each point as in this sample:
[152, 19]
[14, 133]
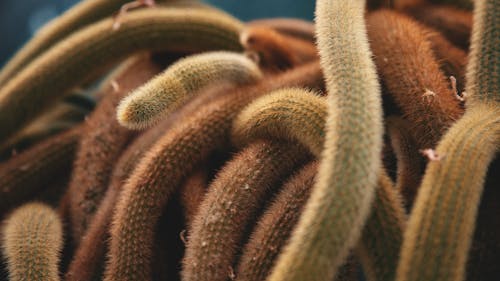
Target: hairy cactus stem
[88, 51]
[297, 28]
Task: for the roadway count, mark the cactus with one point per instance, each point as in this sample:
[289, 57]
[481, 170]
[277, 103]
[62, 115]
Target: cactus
[276, 52]
[87, 51]
[27, 173]
[294, 114]
[453, 23]
[169, 90]
[231, 203]
[326, 232]
[297, 28]
[411, 73]
[409, 160]
[463, 4]
[437, 240]
[192, 193]
[155, 178]
[102, 143]
[452, 60]
[32, 241]
[290, 113]
[274, 227]
[80, 15]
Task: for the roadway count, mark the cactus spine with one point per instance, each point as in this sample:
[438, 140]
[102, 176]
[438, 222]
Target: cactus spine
[294, 114]
[169, 90]
[87, 51]
[230, 205]
[275, 226]
[438, 238]
[32, 241]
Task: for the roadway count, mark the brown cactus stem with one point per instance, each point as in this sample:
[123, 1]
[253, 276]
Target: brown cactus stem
[27, 173]
[276, 51]
[192, 193]
[275, 226]
[453, 23]
[409, 160]
[156, 178]
[452, 60]
[90, 253]
[411, 73]
[297, 28]
[231, 204]
[102, 142]
[96, 47]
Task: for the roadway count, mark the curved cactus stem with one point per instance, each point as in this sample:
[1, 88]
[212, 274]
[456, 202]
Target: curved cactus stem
[298, 115]
[95, 47]
[27, 173]
[230, 205]
[32, 241]
[439, 233]
[297, 28]
[172, 88]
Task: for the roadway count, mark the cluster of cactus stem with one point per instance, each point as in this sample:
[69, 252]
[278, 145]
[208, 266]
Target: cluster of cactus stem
[168, 140]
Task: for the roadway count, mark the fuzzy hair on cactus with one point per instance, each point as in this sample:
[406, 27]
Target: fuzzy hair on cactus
[453, 23]
[102, 143]
[169, 90]
[326, 232]
[294, 114]
[407, 66]
[27, 173]
[297, 28]
[232, 201]
[86, 52]
[78, 16]
[32, 240]
[274, 227]
[172, 158]
[276, 52]
[438, 238]
[192, 193]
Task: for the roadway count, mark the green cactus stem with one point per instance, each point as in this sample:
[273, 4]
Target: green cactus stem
[91, 49]
[274, 227]
[410, 71]
[32, 241]
[231, 203]
[172, 88]
[439, 233]
[326, 232]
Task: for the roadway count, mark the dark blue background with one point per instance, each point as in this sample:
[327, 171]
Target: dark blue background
[19, 19]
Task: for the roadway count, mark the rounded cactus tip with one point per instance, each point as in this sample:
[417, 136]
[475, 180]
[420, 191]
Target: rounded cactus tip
[135, 113]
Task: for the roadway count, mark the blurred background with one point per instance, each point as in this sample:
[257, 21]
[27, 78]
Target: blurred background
[19, 20]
